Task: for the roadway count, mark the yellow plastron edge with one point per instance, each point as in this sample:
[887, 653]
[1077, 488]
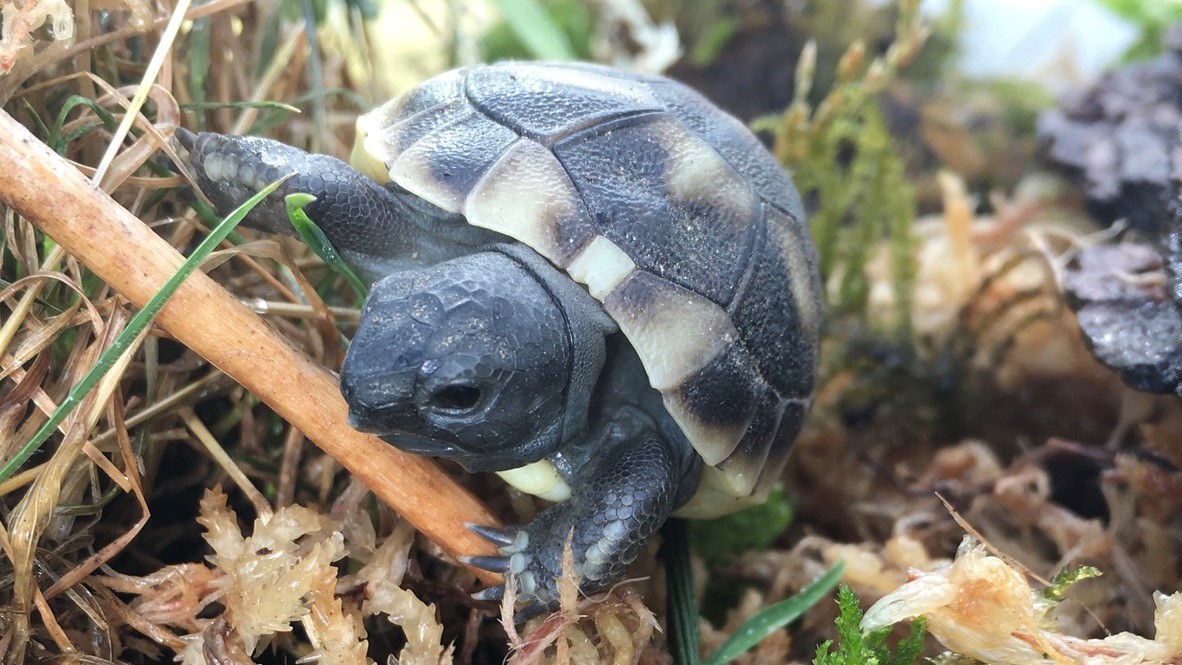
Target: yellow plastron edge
[716, 497]
[540, 479]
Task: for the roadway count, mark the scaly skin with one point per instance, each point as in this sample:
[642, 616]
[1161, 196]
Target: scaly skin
[616, 505]
[492, 358]
[378, 230]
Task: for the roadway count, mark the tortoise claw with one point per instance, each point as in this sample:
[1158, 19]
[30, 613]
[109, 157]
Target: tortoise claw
[495, 593]
[498, 537]
[186, 138]
[509, 541]
[496, 564]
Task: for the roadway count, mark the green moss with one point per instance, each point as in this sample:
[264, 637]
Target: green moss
[1066, 578]
[843, 159]
[862, 198]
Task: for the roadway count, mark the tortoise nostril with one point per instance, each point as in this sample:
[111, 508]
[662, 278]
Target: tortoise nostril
[382, 418]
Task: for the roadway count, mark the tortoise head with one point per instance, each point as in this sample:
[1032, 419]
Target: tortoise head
[469, 359]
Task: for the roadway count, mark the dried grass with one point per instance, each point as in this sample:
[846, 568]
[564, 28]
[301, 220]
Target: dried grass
[612, 627]
[57, 318]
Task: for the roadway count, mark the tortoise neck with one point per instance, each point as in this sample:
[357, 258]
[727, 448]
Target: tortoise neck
[587, 325]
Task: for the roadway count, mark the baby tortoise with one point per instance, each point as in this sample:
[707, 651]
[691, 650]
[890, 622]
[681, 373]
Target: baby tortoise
[593, 282]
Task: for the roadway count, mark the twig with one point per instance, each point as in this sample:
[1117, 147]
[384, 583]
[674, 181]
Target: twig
[127, 255]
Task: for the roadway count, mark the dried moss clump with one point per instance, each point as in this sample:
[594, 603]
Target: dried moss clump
[256, 586]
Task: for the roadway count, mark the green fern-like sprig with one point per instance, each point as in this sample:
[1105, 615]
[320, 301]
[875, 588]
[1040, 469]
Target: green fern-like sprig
[855, 648]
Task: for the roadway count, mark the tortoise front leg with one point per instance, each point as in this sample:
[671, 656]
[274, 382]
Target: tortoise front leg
[633, 484]
[373, 227]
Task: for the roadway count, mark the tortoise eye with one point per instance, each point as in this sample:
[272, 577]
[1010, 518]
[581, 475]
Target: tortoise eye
[456, 397]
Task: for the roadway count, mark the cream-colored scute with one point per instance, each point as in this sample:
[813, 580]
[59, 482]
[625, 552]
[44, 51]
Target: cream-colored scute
[674, 330]
[601, 265]
[363, 158]
[526, 195]
[715, 497]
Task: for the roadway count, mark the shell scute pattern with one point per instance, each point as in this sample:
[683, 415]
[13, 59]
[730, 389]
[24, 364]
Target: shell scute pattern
[396, 138]
[669, 210]
[768, 319]
[755, 465]
[697, 239]
[549, 103]
[745, 464]
[734, 144]
[528, 185]
[719, 402]
[799, 260]
[443, 89]
[674, 331]
[791, 421]
[444, 169]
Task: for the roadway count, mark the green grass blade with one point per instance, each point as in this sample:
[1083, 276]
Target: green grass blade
[319, 242]
[31, 111]
[210, 106]
[534, 27]
[682, 609]
[55, 135]
[763, 623]
[77, 133]
[137, 324]
[709, 46]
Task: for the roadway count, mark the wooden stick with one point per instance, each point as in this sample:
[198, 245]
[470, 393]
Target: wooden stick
[125, 253]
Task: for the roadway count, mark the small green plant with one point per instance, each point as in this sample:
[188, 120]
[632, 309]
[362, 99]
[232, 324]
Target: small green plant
[1067, 577]
[854, 648]
[315, 238]
[720, 540]
[1152, 17]
[841, 155]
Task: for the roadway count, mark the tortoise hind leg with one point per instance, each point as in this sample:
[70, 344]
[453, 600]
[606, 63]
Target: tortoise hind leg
[636, 479]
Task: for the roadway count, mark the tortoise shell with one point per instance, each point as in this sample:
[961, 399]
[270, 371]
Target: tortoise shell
[670, 211]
